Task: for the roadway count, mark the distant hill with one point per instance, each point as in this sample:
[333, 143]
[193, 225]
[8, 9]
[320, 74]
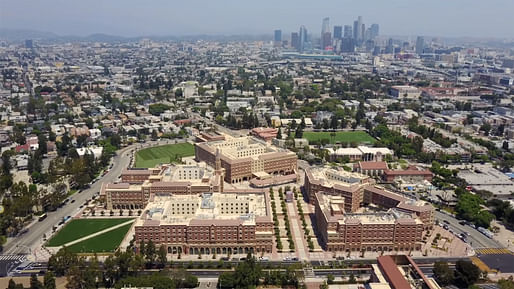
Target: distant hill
[22, 34]
[17, 35]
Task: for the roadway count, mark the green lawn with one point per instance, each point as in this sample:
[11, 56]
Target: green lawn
[358, 137]
[150, 157]
[106, 242]
[76, 229]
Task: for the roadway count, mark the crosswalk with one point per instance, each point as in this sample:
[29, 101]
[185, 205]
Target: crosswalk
[493, 251]
[481, 265]
[20, 258]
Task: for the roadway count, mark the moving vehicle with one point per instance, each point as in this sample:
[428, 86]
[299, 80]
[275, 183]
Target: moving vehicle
[42, 217]
[486, 232]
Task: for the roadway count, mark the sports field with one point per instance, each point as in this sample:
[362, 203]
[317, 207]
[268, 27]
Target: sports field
[150, 157]
[77, 229]
[106, 242]
[358, 137]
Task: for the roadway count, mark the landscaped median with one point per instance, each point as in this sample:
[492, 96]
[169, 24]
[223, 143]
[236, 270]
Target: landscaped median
[92, 235]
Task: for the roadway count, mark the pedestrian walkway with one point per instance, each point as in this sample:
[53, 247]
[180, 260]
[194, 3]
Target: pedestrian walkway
[97, 233]
[481, 265]
[491, 251]
[20, 258]
[297, 233]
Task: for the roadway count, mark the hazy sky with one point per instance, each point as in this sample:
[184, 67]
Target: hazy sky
[481, 18]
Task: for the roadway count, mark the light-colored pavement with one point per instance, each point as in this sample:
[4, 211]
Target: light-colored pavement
[297, 233]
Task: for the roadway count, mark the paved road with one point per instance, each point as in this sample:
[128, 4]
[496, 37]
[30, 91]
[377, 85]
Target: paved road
[27, 242]
[475, 239]
[222, 129]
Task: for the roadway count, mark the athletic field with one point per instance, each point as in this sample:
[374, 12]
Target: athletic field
[359, 137]
[150, 157]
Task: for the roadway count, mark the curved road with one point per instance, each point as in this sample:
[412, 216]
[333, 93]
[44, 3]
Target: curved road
[27, 242]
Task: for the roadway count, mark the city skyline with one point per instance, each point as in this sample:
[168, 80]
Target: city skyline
[454, 19]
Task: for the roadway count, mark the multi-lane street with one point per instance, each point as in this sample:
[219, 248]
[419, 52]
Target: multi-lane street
[36, 231]
[475, 238]
[29, 241]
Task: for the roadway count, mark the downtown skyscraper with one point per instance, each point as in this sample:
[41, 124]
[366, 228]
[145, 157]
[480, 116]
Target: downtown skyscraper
[357, 29]
[338, 32]
[420, 45]
[277, 39]
[326, 37]
[303, 39]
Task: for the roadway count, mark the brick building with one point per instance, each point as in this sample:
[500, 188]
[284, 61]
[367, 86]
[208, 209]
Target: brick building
[264, 133]
[368, 231]
[245, 157]
[139, 184]
[337, 182]
[410, 175]
[220, 223]
[373, 169]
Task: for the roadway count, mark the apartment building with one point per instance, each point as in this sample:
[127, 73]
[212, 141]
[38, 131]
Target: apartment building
[366, 231]
[337, 182]
[209, 223]
[139, 184]
[245, 158]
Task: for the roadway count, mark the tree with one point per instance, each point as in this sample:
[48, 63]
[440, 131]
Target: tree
[506, 283]
[142, 249]
[110, 271]
[333, 122]
[330, 279]
[13, 285]
[178, 93]
[161, 256]
[226, 280]
[442, 273]
[43, 149]
[466, 273]
[62, 261]
[150, 252]
[34, 282]
[486, 127]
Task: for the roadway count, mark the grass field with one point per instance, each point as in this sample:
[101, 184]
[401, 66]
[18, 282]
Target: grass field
[341, 137]
[106, 242]
[150, 157]
[80, 228]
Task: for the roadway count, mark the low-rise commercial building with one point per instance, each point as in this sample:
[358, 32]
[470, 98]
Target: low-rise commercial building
[410, 175]
[360, 153]
[265, 133]
[373, 169]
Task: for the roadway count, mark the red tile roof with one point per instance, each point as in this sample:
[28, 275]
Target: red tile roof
[391, 273]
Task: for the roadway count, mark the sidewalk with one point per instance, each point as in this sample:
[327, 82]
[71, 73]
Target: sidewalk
[297, 233]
